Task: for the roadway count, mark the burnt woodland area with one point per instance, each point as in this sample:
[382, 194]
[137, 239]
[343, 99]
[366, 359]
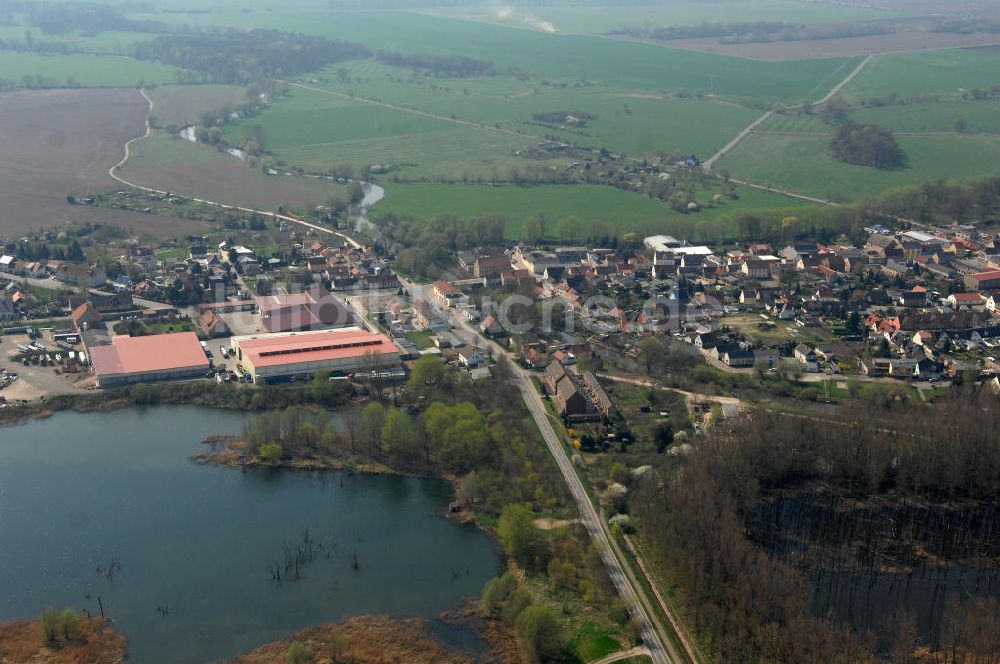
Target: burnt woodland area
[873, 535]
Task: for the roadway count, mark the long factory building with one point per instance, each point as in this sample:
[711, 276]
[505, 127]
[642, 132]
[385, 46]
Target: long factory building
[277, 357]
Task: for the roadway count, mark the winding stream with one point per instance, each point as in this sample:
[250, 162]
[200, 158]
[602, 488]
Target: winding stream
[359, 213]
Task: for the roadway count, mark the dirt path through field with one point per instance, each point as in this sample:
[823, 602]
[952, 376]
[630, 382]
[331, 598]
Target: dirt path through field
[113, 172]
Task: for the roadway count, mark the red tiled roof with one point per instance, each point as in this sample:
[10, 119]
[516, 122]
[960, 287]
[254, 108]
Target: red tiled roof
[445, 288]
[159, 352]
[272, 350]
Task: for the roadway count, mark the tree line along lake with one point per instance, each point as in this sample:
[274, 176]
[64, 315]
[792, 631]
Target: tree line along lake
[198, 562]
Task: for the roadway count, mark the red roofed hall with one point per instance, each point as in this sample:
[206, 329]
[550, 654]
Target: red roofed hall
[984, 280]
[276, 357]
[145, 359]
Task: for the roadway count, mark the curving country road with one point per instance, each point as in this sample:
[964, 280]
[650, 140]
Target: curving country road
[113, 172]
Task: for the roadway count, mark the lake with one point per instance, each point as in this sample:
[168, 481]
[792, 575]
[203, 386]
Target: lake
[182, 555]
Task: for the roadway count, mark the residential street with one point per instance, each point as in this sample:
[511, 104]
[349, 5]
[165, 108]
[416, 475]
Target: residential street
[662, 649]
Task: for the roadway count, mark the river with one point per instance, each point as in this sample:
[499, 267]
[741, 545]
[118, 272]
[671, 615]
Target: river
[359, 213]
[82, 494]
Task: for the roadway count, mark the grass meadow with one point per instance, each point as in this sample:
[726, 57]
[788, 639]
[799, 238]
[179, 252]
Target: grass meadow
[624, 211]
[802, 162]
[626, 121]
[943, 73]
[89, 71]
[317, 131]
[107, 43]
[599, 19]
[559, 57]
[981, 117]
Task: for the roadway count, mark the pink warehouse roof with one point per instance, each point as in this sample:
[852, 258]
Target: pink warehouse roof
[159, 352]
[272, 350]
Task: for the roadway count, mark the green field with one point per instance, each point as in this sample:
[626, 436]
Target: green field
[105, 43]
[626, 121]
[981, 116]
[171, 164]
[89, 71]
[317, 131]
[598, 19]
[942, 73]
[803, 163]
[559, 57]
[619, 209]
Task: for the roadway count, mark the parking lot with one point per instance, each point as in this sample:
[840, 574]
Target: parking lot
[36, 381]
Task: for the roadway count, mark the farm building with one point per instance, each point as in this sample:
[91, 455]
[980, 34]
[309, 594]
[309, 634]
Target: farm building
[145, 359]
[315, 309]
[277, 357]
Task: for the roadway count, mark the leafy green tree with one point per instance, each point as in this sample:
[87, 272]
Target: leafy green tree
[517, 602]
[50, 627]
[517, 532]
[427, 374]
[337, 647]
[458, 436]
[270, 452]
[539, 633]
[69, 621]
[372, 421]
[399, 436]
[496, 592]
[299, 653]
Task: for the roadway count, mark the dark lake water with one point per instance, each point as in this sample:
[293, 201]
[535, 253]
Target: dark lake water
[79, 491]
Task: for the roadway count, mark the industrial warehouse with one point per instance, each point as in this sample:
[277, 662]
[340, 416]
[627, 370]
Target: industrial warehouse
[144, 359]
[288, 356]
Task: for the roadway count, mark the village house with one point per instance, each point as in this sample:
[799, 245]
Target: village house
[966, 301]
[86, 317]
[804, 353]
[447, 294]
[491, 267]
[739, 358]
[470, 358]
[567, 397]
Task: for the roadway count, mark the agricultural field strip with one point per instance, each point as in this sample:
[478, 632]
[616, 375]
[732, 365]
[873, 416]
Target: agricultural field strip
[426, 114]
[113, 172]
[709, 164]
[492, 128]
[802, 163]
